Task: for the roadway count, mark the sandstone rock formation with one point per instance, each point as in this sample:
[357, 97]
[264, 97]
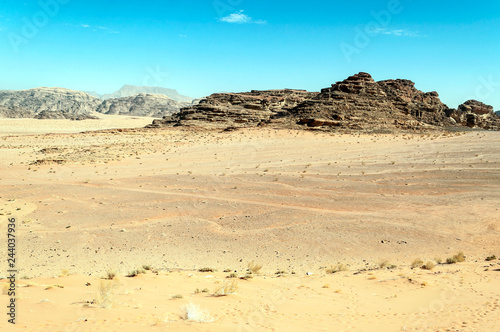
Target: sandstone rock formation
[358, 103]
[361, 103]
[142, 105]
[238, 109]
[60, 103]
[474, 113]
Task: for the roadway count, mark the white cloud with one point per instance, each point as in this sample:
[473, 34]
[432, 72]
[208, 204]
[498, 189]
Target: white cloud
[394, 32]
[96, 28]
[241, 18]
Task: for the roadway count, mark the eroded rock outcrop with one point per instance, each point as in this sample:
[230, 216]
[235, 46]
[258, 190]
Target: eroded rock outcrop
[361, 103]
[238, 109]
[15, 112]
[60, 103]
[152, 105]
[475, 114]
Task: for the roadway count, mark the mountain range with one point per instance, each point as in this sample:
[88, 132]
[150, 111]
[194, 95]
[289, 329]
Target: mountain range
[132, 90]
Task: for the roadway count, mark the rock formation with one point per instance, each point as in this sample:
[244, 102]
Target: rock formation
[475, 114]
[132, 90]
[361, 103]
[142, 105]
[58, 102]
[358, 103]
[15, 112]
[238, 109]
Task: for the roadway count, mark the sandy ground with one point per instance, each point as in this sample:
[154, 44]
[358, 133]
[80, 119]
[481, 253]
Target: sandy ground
[297, 202]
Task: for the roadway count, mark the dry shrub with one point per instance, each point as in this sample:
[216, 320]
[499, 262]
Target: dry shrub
[254, 267]
[226, 288]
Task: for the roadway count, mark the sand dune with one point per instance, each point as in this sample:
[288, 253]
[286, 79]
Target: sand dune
[293, 201]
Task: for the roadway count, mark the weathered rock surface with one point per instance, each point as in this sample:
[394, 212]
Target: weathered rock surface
[361, 103]
[238, 109]
[142, 105]
[60, 103]
[476, 114]
[15, 112]
[132, 90]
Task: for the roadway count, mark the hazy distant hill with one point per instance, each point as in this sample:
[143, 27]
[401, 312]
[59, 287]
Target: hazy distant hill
[47, 103]
[153, 105]
[132, 90]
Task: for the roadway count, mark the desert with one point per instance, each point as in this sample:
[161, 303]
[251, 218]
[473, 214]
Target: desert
[340, 225]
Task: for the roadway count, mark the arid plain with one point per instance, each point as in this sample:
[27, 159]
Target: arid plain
[89, 200]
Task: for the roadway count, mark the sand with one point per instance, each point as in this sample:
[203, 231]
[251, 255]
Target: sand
[296, 202]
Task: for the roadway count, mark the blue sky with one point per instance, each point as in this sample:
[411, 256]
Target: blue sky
[202, 47]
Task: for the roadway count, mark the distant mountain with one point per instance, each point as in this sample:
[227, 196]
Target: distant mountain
[153, 105]
[48, 103]
[131, 90]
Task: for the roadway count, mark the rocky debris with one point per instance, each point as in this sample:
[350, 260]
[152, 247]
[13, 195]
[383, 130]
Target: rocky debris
[361, 103]
[475, 114]
[142, 105]
[132, 90]
[49, 103]
[15, 112]
[237, 109]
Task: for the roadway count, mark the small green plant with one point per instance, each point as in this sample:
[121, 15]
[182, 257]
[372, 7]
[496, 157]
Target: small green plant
[206, 269]
[491, 258]
[416, 263]
[458, 258]
[254, 267]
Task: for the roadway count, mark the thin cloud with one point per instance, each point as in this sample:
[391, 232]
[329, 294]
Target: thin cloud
[241, 18]
[394, 32]
[97, 28]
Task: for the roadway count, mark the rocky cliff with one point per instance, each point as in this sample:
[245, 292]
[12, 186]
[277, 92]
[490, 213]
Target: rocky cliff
[142, 105]
[357, 103]
[361, 103]
[238, 109]
[48, 102]
[15, 112]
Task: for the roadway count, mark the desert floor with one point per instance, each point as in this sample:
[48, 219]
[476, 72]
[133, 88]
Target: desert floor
[295, 202]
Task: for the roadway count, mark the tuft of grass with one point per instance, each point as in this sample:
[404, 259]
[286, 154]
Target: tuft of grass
[458, 258]
[280, 272]
[416, 263]
[205, 290]
[337, 268]
[135, 273]
[428, 266]
[438, 260]
[147, 267]
[227, 270]
[226, 288]
[64, 272]
[192, 312]
[110, 274]
[383, 264]
[177, 296]
[232, 275]
[254, 267]
[105, 293]
[206, 269]
[246, 276]
[491, 258]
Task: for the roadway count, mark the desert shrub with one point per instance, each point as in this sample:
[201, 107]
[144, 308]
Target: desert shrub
[192, 312]
[254, 267]
[491, 258]
[416, 263]
[105, 293]
[428, 266]
[206, 269]
[226, 288]
[177, 296]
[337, 268]
[232, 275]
